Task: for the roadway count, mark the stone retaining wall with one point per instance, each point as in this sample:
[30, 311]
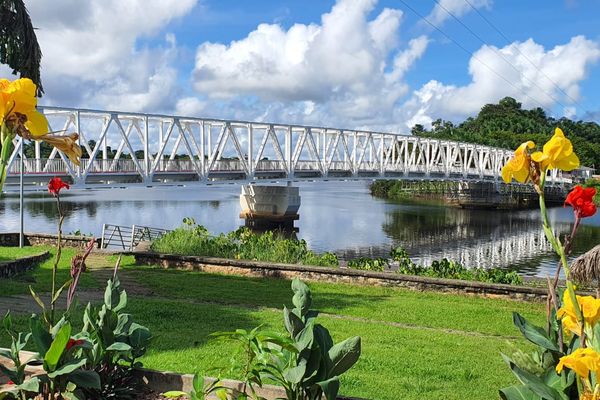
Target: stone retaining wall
[328, 274]
[11, 239]
[163, 381]
[11, 268]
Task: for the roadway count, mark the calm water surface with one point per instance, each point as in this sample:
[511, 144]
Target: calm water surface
[334, 216]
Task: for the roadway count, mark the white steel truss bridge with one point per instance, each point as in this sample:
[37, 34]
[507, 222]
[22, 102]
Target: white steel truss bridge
[122, 149]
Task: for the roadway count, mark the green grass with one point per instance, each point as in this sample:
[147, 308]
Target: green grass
[416, 345]
[40, 278]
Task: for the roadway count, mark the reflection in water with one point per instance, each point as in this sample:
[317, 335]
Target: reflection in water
[334, 216]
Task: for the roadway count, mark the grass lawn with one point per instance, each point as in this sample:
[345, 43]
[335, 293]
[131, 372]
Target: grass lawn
[40, 278]
[416, 345]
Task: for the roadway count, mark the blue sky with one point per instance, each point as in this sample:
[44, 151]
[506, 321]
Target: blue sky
[349, 63]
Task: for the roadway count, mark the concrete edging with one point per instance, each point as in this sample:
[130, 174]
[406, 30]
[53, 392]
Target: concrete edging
[11, 239]
[332, 274]
[12, 268]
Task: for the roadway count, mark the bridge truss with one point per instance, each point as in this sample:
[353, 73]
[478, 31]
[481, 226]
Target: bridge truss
[151, 149]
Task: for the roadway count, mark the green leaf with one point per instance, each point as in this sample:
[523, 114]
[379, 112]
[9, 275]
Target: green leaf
[302, 297]
[139, 336]
[30, 385]
[534, 334]
[52, 357]
[294, 375]
[67, 368]
[535, 383]
[518, 392]
[60, 290]
[86, 379]
[330, 388]
[293, 323]
[118, 346]
[173, 394]
[344, 355]
[37, 299]
[41, 338]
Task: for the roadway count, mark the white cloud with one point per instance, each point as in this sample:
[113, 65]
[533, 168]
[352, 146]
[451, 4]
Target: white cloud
[443, 8]
[513, 75]
[91, 55]
[348, 70]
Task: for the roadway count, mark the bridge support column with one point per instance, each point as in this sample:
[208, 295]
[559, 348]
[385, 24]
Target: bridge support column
[269, 206]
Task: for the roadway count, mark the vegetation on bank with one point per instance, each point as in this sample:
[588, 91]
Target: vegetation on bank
[507, 125]
[193, 239]
[443, 268]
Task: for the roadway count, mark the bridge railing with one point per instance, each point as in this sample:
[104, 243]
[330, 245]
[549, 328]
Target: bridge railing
[128, 237]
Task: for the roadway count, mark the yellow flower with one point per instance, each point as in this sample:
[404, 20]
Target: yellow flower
[17, 106]
[590, 308]
[18, 112]
[519, 167]
[557, 153]
[582, 361]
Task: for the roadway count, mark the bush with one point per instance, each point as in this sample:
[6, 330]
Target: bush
[193, 239]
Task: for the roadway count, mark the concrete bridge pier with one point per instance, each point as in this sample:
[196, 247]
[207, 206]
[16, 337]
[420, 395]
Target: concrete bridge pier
[269, 206]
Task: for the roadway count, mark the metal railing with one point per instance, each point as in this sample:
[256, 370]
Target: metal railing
[128, 237]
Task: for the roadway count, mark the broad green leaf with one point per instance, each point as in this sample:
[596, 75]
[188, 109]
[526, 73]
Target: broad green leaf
[30, 385]
[67, 368]
[293, 323]
[302, 297]
[535, 383]
[294, 375]
[173, 394]
[41, 338]
[57, 347]
[85, 379]
[518, 392]
[344, 355]
[330, 388]
[118, 346]
[534, 334]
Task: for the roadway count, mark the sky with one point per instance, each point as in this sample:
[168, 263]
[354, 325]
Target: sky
[359, 64]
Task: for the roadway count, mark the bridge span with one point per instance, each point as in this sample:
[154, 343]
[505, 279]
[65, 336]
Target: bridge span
[150, 149]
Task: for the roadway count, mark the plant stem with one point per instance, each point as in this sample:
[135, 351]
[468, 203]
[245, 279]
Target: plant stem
[559, 249]
[7, 147]
[56, 259]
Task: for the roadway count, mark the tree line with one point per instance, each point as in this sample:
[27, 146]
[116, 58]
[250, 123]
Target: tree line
[507, 125]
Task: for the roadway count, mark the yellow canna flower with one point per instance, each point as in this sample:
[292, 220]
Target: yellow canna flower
[519, 167]
[557, 153]
[17, 106]
[582, 361]
[590, 308]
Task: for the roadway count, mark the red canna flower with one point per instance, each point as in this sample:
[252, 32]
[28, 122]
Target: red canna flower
[72, 342]
[10, 383]
[55, 185]
[582, 201]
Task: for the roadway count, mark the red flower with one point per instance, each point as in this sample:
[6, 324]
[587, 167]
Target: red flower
[582, 201]
[10, 383]
[55, 185]
[72, 342]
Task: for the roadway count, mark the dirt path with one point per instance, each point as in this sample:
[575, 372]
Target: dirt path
[100, 268]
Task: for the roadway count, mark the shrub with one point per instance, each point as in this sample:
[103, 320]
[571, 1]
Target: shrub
[193, 239]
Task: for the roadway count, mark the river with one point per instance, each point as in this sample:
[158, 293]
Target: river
[334, 216]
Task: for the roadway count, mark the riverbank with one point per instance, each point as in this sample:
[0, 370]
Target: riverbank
[470, 195]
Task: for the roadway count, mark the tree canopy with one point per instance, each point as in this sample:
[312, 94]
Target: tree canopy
[19, 48]
[507, 125]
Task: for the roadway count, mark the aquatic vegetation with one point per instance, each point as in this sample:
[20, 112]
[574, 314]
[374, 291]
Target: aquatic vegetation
[241, 244]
